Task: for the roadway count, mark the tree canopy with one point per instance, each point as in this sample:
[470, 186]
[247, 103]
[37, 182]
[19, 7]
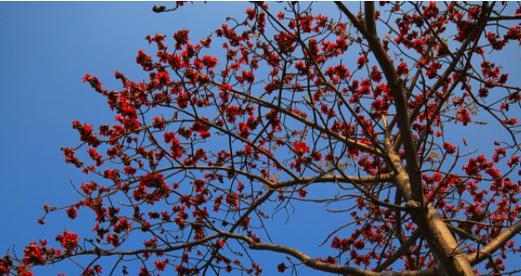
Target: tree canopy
[362, 113]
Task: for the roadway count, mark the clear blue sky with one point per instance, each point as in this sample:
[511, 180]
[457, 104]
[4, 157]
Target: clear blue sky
[46, 48]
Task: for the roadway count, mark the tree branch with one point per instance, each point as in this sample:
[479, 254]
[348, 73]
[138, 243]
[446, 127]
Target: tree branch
[404, 248]
[495, 244]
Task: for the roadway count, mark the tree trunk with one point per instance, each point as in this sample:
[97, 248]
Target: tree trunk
[451, 260]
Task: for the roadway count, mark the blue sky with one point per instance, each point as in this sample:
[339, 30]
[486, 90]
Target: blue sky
[45, 51]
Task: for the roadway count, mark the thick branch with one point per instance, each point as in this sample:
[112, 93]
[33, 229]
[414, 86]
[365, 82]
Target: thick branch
[495, 244]
[316, 264]
[396, 87]
[305, 259]
[336, 178]
[442, 243]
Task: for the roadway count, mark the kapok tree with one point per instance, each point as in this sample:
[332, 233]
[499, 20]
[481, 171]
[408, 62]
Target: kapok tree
[371, 102]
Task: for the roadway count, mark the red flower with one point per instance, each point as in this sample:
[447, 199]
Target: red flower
[159, 122]
[493, 172]
[93, 81]
[450, 149]
[499, 153]
[68, 240]
[70, 158]
[34, 254]
[88, 188]
[317, 155]
[248, 76]
[219, 243]
[362, 60]
[95, 156]
[161, 265]
[163, 77]
[376, 75]
[402, 69]
[244, 129]
[144, 60]
[181, 38]
[202, 128]
[281, 267]
[5, 265]
[72, 213]
[418, 44]
[86, 133]
[462, 115]
[209, 61]
[510, 122]
[359, 244]
[300, 147]
[153, 180]
[176, 147]
[86, 78]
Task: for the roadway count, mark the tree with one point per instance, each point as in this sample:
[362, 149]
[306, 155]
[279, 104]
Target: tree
[365, 107]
